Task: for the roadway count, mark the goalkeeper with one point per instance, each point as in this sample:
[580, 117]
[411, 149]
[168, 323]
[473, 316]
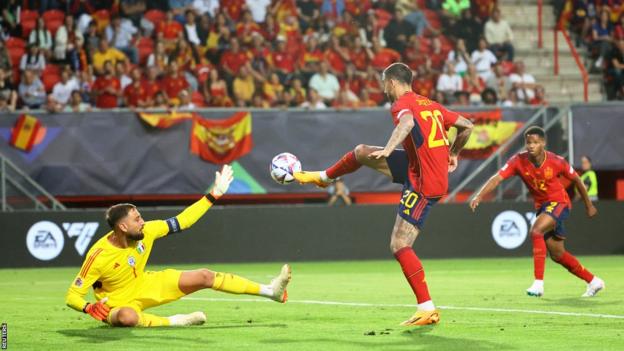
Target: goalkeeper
[115, 268]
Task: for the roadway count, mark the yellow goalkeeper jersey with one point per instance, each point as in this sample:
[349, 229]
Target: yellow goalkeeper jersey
[115, 272]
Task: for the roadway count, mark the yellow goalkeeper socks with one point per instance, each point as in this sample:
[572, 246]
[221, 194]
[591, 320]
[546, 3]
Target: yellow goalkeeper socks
[234, 284]
[150, 320]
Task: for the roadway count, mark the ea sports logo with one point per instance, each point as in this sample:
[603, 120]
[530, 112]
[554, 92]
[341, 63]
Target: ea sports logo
[45, 240]
[509, 229]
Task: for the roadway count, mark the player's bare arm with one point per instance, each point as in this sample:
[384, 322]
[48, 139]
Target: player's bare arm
[464, 129]
[490, 185]
[589, 206]
[400, 132]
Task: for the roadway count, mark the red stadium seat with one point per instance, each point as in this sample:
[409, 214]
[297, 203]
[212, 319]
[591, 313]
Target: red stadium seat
[14, 42]
[508, 67]
[198, 99]
[53, 25]
[383, 17]
[49, 80]
[27, 27]
[28, 15]
[145, 46]
[432, 18]
[15, 54]
[155, 16]
[53, 15]
[52, 69]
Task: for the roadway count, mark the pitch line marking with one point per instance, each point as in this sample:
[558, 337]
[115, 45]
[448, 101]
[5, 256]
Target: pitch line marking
[458, 308]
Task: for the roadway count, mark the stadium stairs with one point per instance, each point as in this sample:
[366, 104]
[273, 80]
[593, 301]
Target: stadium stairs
[568, 85]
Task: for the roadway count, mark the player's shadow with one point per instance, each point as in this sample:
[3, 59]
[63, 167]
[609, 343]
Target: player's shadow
[105, 334]
[416, 339]
[580, 302]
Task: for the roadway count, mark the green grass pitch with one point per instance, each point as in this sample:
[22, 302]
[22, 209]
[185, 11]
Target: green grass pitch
[483, 308]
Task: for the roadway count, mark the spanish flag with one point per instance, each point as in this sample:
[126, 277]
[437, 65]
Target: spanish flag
[487, 138]
[222, 141]
[165, 120]
[24, 133]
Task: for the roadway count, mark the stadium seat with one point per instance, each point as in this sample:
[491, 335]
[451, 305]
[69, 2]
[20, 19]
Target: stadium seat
[53, 15]
[383, 17]
[155, 16]
[14, 42]
[102, 18]
[49, 80]
[15, 54]
[28, 15]
[53, 25]
[145, 46]
[508, 67]
[52, 69]
[432, 18]
[27, 26]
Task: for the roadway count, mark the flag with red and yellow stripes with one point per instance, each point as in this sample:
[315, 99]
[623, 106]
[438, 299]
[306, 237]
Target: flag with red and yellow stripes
[222, 141]
[24, 133]
[165, 120]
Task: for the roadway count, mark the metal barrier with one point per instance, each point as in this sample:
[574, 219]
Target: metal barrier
[18, 191]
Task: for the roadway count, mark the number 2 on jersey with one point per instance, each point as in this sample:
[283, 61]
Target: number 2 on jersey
[436, 124]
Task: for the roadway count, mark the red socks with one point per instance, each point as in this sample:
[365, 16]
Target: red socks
[347, 164]
[413, 270]
[539, 254]
[575, 267]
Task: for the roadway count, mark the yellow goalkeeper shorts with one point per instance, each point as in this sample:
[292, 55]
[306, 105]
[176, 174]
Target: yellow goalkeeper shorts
[157, 288]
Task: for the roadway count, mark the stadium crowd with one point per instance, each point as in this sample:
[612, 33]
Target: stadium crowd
[76, 55]
[599, 26]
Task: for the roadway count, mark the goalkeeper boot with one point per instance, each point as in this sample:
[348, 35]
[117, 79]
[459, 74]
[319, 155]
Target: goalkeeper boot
[312, 178]
[594, 287]
[423, 318]
[195, 318]
[537, 289]
[279, 284]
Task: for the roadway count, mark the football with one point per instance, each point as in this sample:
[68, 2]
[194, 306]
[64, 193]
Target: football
[283, 166]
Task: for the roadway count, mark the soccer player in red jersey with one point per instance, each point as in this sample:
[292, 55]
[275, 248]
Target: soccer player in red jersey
[422, 167]
[540, 171]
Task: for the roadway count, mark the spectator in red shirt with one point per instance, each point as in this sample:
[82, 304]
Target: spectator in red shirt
[282, 61]
[246, 28]
[359, 55]
[336, 55]
[351, 81]
[173, 83]
[260, 54]
[233, 8]
[135, 94]
[372, 83]
[151, 85]
[233, 59]
[106, 89]
[169, 30]
[423, 81]
[414, 55]
[311, 56]
[383, 57]
[473, 84]
[539, 98]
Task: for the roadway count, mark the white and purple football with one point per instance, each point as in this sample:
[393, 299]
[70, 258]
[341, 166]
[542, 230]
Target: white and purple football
[283, 166]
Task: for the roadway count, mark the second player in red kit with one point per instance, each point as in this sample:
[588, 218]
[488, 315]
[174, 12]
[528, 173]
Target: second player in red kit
[422, 166]
[541, 170]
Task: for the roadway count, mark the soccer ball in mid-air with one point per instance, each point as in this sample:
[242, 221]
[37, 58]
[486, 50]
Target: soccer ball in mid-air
[283, 166]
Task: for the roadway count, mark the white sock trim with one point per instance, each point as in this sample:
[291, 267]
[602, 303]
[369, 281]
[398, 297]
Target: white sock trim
[324, 176]
[266, 290]
[426, 306]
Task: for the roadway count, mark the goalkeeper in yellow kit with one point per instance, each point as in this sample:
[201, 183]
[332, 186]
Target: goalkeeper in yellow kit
[115, 268]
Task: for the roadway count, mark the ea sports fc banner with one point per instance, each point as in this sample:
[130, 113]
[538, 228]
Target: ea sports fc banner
[165, 120]
[222, 141]
[24, 133]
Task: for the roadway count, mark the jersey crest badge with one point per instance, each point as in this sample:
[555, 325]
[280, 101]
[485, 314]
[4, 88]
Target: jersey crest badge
[548, 173]
[78, 282]
[131, 261]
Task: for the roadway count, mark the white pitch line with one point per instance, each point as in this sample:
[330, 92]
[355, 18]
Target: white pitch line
[458, 308]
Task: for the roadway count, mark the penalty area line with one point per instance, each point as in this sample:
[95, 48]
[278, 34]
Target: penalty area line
[457, 308]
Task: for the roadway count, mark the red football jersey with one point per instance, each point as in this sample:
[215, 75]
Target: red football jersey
[427, 146]
[543, 181]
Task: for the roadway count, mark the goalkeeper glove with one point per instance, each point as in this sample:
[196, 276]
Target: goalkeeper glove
[97, 310]
[222, 181]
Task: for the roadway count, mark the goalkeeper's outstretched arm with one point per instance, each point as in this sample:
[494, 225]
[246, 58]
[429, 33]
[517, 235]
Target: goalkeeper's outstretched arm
[193, 213]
